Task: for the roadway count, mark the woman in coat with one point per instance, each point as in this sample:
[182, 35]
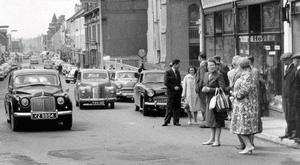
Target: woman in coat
[213, 79]
[244, 120]
[190, 96]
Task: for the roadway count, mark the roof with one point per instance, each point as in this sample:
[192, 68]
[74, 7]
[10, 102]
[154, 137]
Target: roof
[92, 70]
[34, 71]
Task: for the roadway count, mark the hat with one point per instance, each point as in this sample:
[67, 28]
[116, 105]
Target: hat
[217, 57]
[297, 56]
[286, 56]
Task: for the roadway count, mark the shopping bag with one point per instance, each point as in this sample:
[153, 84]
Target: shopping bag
[213, 100]
[222, 102]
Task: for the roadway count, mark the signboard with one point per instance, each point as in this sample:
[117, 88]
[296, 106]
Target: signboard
[268, 47]
[89, 1]
[257, 38]
[212, 3]
[244, 38]
[4, 26]
[277, 47]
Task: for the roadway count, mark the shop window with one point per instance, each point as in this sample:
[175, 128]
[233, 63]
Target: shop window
[194, 15]
[243, 20]
[228, 23]
[254, 19]
[244, 45]
[271, 17]
[229, 49]
[209, 45]
[218, 23]
[209, 24]
[219, 46]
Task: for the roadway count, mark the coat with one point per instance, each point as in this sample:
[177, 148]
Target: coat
[244, 119]
[170, 80]
[188, 93]
[288, 93]
[199, 77]
[212, 118]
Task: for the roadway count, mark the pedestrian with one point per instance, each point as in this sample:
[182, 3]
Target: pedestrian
[295, 99]
[190, 96]
[172, 81]
[59, 68]
[289, 71]
[213, 80]
[198, 87]
[244, 120]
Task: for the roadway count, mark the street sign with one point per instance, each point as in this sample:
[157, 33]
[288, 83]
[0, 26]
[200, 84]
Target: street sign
[89, 1]
[257, 38]
[142, 53]
[277, 47]
[268, 47]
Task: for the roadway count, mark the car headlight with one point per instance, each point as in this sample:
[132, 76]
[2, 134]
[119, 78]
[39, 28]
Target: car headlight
[60, 100]
[119, 86]
[82, 90]
[25, 102]
[112, 91]
[150, 92]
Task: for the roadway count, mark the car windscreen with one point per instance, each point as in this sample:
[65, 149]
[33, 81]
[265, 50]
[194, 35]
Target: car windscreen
[94, 76]
[124, 75]
[153, 77]
[36, 79]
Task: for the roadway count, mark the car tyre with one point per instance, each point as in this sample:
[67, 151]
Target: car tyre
[80, 105]
[77, 104]
[14, 123]
[67, 81]
[112, 105]
[67, 123]
[145, 108]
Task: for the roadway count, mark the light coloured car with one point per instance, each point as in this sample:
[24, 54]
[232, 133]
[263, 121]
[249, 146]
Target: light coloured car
[48, 64]
[70, 77]
[7, 68]
[26, 66]
[93, 87]
[2, 74]
[34, 60]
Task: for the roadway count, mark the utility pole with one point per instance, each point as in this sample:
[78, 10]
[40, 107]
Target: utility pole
[101, 36]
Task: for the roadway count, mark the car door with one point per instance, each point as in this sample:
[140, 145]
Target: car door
[137, 90]
[8, 97]
[77, 85]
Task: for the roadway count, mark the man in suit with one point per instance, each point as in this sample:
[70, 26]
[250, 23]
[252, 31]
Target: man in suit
[199, 76]
[172, 81]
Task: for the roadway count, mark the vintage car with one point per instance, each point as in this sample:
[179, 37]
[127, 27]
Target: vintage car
[37, 95]
[66, 68]
[149, 92]
[93, 87]
[2, 73]
[48, 64]
[124, 81]
[70, 77]
[34, 60]
[26, 66]
[26, 56]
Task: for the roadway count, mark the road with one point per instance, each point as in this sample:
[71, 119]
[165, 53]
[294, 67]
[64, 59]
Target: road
[122, 136]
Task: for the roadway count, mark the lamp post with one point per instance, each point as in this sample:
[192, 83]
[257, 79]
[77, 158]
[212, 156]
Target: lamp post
[142, 54]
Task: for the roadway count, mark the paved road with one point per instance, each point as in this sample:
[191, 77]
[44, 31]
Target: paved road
[123, 136]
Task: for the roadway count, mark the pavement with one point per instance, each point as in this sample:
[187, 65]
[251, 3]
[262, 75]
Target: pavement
[272, 129]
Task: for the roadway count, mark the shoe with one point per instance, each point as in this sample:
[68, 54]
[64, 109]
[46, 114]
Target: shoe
[283, 137]
[177, 124]
[247, 151]
[203, 126]
[208, 143]
[240, 147]
[216, 145]
[189, 123]
[196, 123]
[165, 124]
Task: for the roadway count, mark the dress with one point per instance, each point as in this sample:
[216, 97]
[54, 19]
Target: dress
[188, 92]
[244, 119]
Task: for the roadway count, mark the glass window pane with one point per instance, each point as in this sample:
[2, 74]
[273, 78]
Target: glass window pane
[243, 45]
[219, 46]
[209, 45]
[209, 24]
[218, 23]
[229, 49]
[243, 20]
[271, 14]
[228, 22]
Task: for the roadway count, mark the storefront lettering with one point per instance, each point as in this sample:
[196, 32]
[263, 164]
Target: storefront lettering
[211, 3]
[258, 38]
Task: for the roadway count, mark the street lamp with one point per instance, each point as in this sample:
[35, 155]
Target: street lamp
[142, 54]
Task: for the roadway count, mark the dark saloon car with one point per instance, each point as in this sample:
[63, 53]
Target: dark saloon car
[150, 91]
[37, 94]
[93, 87]
[124, 81]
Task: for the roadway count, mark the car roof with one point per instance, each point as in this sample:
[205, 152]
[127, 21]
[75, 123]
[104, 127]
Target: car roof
[122, 71]
[34, 71]
[93, 70]
[153, 71]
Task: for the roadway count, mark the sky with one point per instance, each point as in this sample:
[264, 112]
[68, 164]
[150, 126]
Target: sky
[31, 18]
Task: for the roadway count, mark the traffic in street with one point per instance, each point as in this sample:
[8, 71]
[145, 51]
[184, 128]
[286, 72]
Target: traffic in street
[121, 135]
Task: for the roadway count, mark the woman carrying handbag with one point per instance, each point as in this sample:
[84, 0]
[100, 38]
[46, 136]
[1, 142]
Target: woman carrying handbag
[213, 80]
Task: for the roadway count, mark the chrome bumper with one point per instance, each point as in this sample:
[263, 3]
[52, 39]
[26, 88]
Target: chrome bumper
[97, 99]
[127, 95]
[155, 104]
[28, 114]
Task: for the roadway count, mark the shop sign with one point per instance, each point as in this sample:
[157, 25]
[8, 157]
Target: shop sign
[272, 53]
[93, 47]
[268, 47]
[212, 3]
[277, 47]
[244, 38]
[257, 38]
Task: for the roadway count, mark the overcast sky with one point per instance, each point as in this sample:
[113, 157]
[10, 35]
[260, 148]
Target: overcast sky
[31, 17]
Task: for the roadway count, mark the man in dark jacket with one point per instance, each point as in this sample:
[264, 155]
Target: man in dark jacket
[198, 88]
[172, 81]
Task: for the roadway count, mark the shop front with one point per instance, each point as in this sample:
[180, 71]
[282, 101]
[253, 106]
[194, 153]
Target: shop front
[246, 28]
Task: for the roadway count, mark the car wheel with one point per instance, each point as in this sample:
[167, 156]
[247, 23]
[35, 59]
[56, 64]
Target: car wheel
[14, 123]
[145, 108]
[106, 104]
[80, 105]
[67, 123]
[77, 104]
[67, 81]
[112, 105]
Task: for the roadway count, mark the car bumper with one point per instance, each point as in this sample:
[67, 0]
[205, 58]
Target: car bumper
[28, 115]
[155, 104]
[92, 101]
[70, 78]
[124, 95]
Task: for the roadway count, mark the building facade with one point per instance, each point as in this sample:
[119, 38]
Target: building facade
[173, 32]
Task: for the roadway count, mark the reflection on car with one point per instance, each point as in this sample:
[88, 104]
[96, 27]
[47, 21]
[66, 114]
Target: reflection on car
[124, 81]
[150, 92]
[36, 95]
[93, 87]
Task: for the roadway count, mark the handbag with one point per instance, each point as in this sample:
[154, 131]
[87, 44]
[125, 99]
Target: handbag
[213, 100]
[222, 102]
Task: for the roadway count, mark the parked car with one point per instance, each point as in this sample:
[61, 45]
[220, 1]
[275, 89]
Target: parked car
[2, 73]
[150, 92]
[93, 87]
[13, 64]
[48, 64]
[26, 66]
[34, 60]
[6, 68]
[26, 56]
[66, 68]
[70, 77]
[37, 95]
[124, 81]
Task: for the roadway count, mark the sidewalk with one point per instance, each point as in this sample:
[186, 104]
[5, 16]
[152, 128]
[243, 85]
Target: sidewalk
[272, 128]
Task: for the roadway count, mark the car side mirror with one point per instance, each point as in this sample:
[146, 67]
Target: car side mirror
[67, 90]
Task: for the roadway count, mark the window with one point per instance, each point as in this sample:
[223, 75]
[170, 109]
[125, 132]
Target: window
[271, 17]
[254, 19]
[243, 20]
[209, 24]
[218, 23]
[228, 22]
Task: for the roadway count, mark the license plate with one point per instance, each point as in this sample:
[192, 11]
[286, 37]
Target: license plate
[46, 115]
[162, 107]
[98, 103]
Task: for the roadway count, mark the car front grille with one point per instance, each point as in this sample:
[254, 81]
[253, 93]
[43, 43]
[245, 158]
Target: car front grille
[160, 100]
[127, 90]
[46, 104]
